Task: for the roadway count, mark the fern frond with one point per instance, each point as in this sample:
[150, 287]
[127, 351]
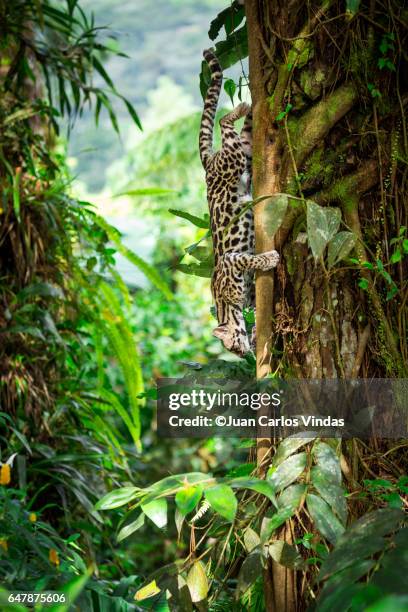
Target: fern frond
[148, 270]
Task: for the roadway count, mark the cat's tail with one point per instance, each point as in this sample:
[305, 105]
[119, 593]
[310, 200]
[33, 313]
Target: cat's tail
[210, 107]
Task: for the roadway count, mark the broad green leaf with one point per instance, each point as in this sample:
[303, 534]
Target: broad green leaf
[197, 582]
[352, 6]
[230, 89]
[201, 269]
[322, 225]
[379, 522]
[390, 603]
[284, 554]
[292, 496]
[328, 462]
[156, 511]
[251, 539]
[230, 18]
[330, 491]
[275, 211]
[118, 498]
[255, 484]
[287, 472]
[250, 570]
[197, 221]
[323, 518]
[275, 520]
[339, 247]
[339, 590]
[222, 499]
[150, 590]
[287, 447]
[228, 52]
[187, 498]
[127, 530]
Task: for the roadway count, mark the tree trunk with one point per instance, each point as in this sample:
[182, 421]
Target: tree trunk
[313, 112]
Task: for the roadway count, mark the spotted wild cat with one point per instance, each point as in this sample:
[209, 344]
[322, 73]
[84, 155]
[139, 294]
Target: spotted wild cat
[228, 179]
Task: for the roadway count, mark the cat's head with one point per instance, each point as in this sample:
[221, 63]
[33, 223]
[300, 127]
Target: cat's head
[235, 339]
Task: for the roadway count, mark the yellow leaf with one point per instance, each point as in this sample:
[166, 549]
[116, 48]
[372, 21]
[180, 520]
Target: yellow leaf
[53, 556]
[4, 544]
[32, 517]
[149, 590]
[197, 582]
[5, 474]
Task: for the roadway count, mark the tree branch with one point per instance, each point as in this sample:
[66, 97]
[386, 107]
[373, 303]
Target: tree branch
[316, 123]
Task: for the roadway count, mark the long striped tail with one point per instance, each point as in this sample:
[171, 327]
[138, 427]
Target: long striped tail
[210, 107]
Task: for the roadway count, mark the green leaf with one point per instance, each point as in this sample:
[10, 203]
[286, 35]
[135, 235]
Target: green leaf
[230, 18]
[323, 518]
[230, 89]
[127, 530]
[132, 113]
[274, 521]
[251, 539]
[352, 6]
[284, 554]
[362, 539]
[287, 472]
[228, 52]
[328, 461]
[330, 492]
[150, 590]
[405, 245]
[292, 496]
[287, 447]
[340, 246]
[250, 570]
[396, 256]
[222, 499]
[274, 213]
[363, 284]
[146, 191]
[322, 225]
[72, 590]
[117, 498]
[197, 221]
[202, 269]
[255, 484]
[187, 498]
[156, 511]
[197, 582]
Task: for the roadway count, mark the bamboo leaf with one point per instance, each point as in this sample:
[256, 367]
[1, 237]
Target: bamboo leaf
[117, 498]
[156, 511]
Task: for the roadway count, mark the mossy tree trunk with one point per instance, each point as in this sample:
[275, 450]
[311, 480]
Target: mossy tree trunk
[329, 99]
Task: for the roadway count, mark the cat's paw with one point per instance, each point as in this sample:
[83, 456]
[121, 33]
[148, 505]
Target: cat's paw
[271, 260]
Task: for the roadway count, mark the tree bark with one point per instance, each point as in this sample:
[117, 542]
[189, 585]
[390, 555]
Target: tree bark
[321, 322]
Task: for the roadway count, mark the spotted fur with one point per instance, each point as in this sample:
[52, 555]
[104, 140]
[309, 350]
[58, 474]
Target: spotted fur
[228, 179]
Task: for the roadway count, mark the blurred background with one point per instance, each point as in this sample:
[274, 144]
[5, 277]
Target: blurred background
[164, 88]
